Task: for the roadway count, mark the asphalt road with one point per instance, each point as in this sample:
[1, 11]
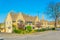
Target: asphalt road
[50, 35]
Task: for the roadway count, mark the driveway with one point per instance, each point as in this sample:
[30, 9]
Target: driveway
[49, 35]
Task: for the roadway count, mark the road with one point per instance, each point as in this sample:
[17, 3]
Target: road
[49, 35]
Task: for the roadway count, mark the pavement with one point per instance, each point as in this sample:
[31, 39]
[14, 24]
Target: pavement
[48, 35]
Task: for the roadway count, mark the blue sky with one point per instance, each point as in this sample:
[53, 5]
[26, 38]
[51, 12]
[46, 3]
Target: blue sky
[31, 7]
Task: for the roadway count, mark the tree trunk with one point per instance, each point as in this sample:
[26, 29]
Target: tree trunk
[55, 23]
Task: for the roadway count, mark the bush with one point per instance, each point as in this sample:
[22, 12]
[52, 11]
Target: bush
[37, 30]
[17, 31]
[53, 28]
[41, 30]
[29, 28]
[44, 29]
[48, 28]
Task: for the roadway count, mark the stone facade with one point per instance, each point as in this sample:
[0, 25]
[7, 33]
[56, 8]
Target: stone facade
[17, 18]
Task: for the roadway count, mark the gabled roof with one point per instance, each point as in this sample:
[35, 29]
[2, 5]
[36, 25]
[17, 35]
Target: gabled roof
[29, 18]
[14, 16]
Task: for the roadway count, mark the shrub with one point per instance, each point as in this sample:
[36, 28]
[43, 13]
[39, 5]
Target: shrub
[53, 28]
[17, 31]
[43, 29]
[29, 28]
[48, 28]
[37, 30]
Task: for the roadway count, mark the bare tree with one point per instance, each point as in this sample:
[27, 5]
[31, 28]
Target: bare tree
[54, 11]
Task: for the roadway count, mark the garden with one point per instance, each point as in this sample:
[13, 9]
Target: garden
[28, 29]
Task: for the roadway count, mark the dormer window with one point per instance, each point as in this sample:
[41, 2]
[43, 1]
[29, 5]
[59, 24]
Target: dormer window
[20, 21]
[29, 22]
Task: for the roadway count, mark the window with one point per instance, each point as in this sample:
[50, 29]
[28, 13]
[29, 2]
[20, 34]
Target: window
[28, 22]
[13, 21]
[8, 22]
[20, 21]
[9, 27]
